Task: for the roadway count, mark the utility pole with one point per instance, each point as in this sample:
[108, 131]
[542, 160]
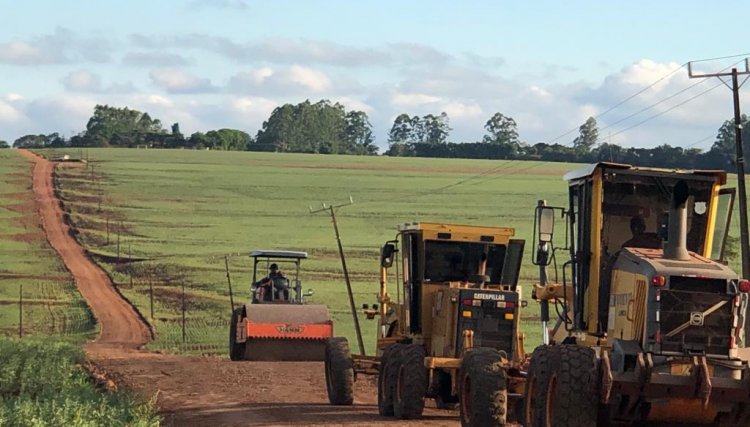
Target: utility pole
[740, 158]
[331, 209]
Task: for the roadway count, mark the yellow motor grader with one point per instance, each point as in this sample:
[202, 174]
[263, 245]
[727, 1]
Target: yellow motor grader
[649, 323]
[452, 331]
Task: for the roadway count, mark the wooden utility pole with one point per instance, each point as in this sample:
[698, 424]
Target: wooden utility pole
[740, 157]
[332, 211]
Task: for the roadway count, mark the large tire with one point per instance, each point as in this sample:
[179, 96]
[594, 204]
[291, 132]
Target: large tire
[411, 383]
[339, 372]
[483, 393]
[543, 360]
[236, 350]
[573, 388]
[387, 377]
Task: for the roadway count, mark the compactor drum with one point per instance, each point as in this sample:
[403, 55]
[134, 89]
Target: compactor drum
[650, 323]
[452, 331]
[276, 325]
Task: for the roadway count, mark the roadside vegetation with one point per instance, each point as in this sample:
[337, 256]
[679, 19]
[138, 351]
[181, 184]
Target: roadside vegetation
[43, 382]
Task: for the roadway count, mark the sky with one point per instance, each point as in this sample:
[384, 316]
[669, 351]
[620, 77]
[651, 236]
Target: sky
[211, 64]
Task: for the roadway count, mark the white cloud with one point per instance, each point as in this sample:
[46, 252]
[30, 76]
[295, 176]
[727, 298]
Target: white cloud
[12, 97]
[294, 80]
[61, 46]
[82, 81]
[177, 81]
[406, 100]
[154, 59]
[460, 110]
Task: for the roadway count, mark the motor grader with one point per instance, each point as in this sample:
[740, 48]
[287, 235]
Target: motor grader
[276, 325]
[452, 331]
[649, 320]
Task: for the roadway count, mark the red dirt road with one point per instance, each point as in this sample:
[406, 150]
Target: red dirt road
[200, 391]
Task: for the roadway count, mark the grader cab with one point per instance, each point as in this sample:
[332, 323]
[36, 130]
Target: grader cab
[650, 320]
[450, 332]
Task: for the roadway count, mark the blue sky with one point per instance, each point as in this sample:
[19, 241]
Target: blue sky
[210, 64]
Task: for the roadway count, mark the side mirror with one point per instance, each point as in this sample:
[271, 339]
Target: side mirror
[546, 218]
[387, 254]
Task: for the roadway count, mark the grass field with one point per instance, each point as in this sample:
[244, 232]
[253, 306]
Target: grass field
[180, 212]
[42, 383]
[52, 305]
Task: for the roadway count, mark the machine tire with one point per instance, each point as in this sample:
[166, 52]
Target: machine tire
[543, 359]
[236, 350]
[339, 372]
[387, 377]
[483, 393]
[411, 383]
[573, 388]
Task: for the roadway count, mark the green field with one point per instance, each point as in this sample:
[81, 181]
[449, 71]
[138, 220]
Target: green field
[51, 303]
[179, 212]
[43, 383]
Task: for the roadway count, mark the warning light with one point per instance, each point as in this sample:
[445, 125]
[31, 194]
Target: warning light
[467, 313]
[658, 281]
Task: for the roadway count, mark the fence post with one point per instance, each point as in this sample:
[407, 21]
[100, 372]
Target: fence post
[183, 311]
[151, 295]
[20, 311]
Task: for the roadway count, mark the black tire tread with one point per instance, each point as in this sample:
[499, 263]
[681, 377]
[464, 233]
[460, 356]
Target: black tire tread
[543, 359]
[236, 350]
[339, 371]
[412, 385]
[489, 393]
[387, 376]
[576, 402]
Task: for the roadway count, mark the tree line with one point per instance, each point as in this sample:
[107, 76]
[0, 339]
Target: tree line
[328, 128]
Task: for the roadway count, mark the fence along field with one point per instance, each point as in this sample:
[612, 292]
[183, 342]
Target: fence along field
[179, 212]
[51, 303]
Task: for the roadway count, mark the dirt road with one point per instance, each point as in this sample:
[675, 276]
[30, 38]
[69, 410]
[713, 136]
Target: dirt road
[200, 391]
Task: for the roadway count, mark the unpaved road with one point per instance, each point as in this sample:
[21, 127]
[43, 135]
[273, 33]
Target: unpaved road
[200, 391]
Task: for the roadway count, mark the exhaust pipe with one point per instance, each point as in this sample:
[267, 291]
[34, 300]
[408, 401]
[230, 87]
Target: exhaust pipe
[676, 245]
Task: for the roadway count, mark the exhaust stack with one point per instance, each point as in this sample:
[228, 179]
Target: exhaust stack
[676, 245]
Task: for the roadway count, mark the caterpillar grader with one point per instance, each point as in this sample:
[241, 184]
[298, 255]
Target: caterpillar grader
[452, 331]
[276, 325]
[649, 322]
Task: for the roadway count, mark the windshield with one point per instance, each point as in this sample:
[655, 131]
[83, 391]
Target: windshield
[447, 261]
[636, 207]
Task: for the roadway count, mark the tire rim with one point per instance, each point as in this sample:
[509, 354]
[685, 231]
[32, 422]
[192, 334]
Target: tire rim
[466, 399]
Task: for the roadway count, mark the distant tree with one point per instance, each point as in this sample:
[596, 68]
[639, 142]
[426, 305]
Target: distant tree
[31, 141]
[359, 133]
[401, 131]
[228, 139]
[4, 144]
[322, 127]
[198, 140]
[725, 146]
[501, 130]
[588, 136]
[119, 127]
[435, 129]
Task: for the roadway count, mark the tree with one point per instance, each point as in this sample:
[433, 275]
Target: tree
[401, 131]
[4, 144]
[359, 133]
[228, 139]
[588, 136]
[435, 129]
[501, 130]
[119, 127]
[725, 146]
[31, 141]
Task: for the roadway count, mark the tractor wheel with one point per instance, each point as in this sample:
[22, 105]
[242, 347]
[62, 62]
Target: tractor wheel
[483, 393]
[573, 388]
[236, 349]
[535, 395]
[411, 383]
[387, 376]
[339, 372]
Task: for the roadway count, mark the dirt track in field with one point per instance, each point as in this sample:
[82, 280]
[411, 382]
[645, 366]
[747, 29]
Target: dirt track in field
[200, 391]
